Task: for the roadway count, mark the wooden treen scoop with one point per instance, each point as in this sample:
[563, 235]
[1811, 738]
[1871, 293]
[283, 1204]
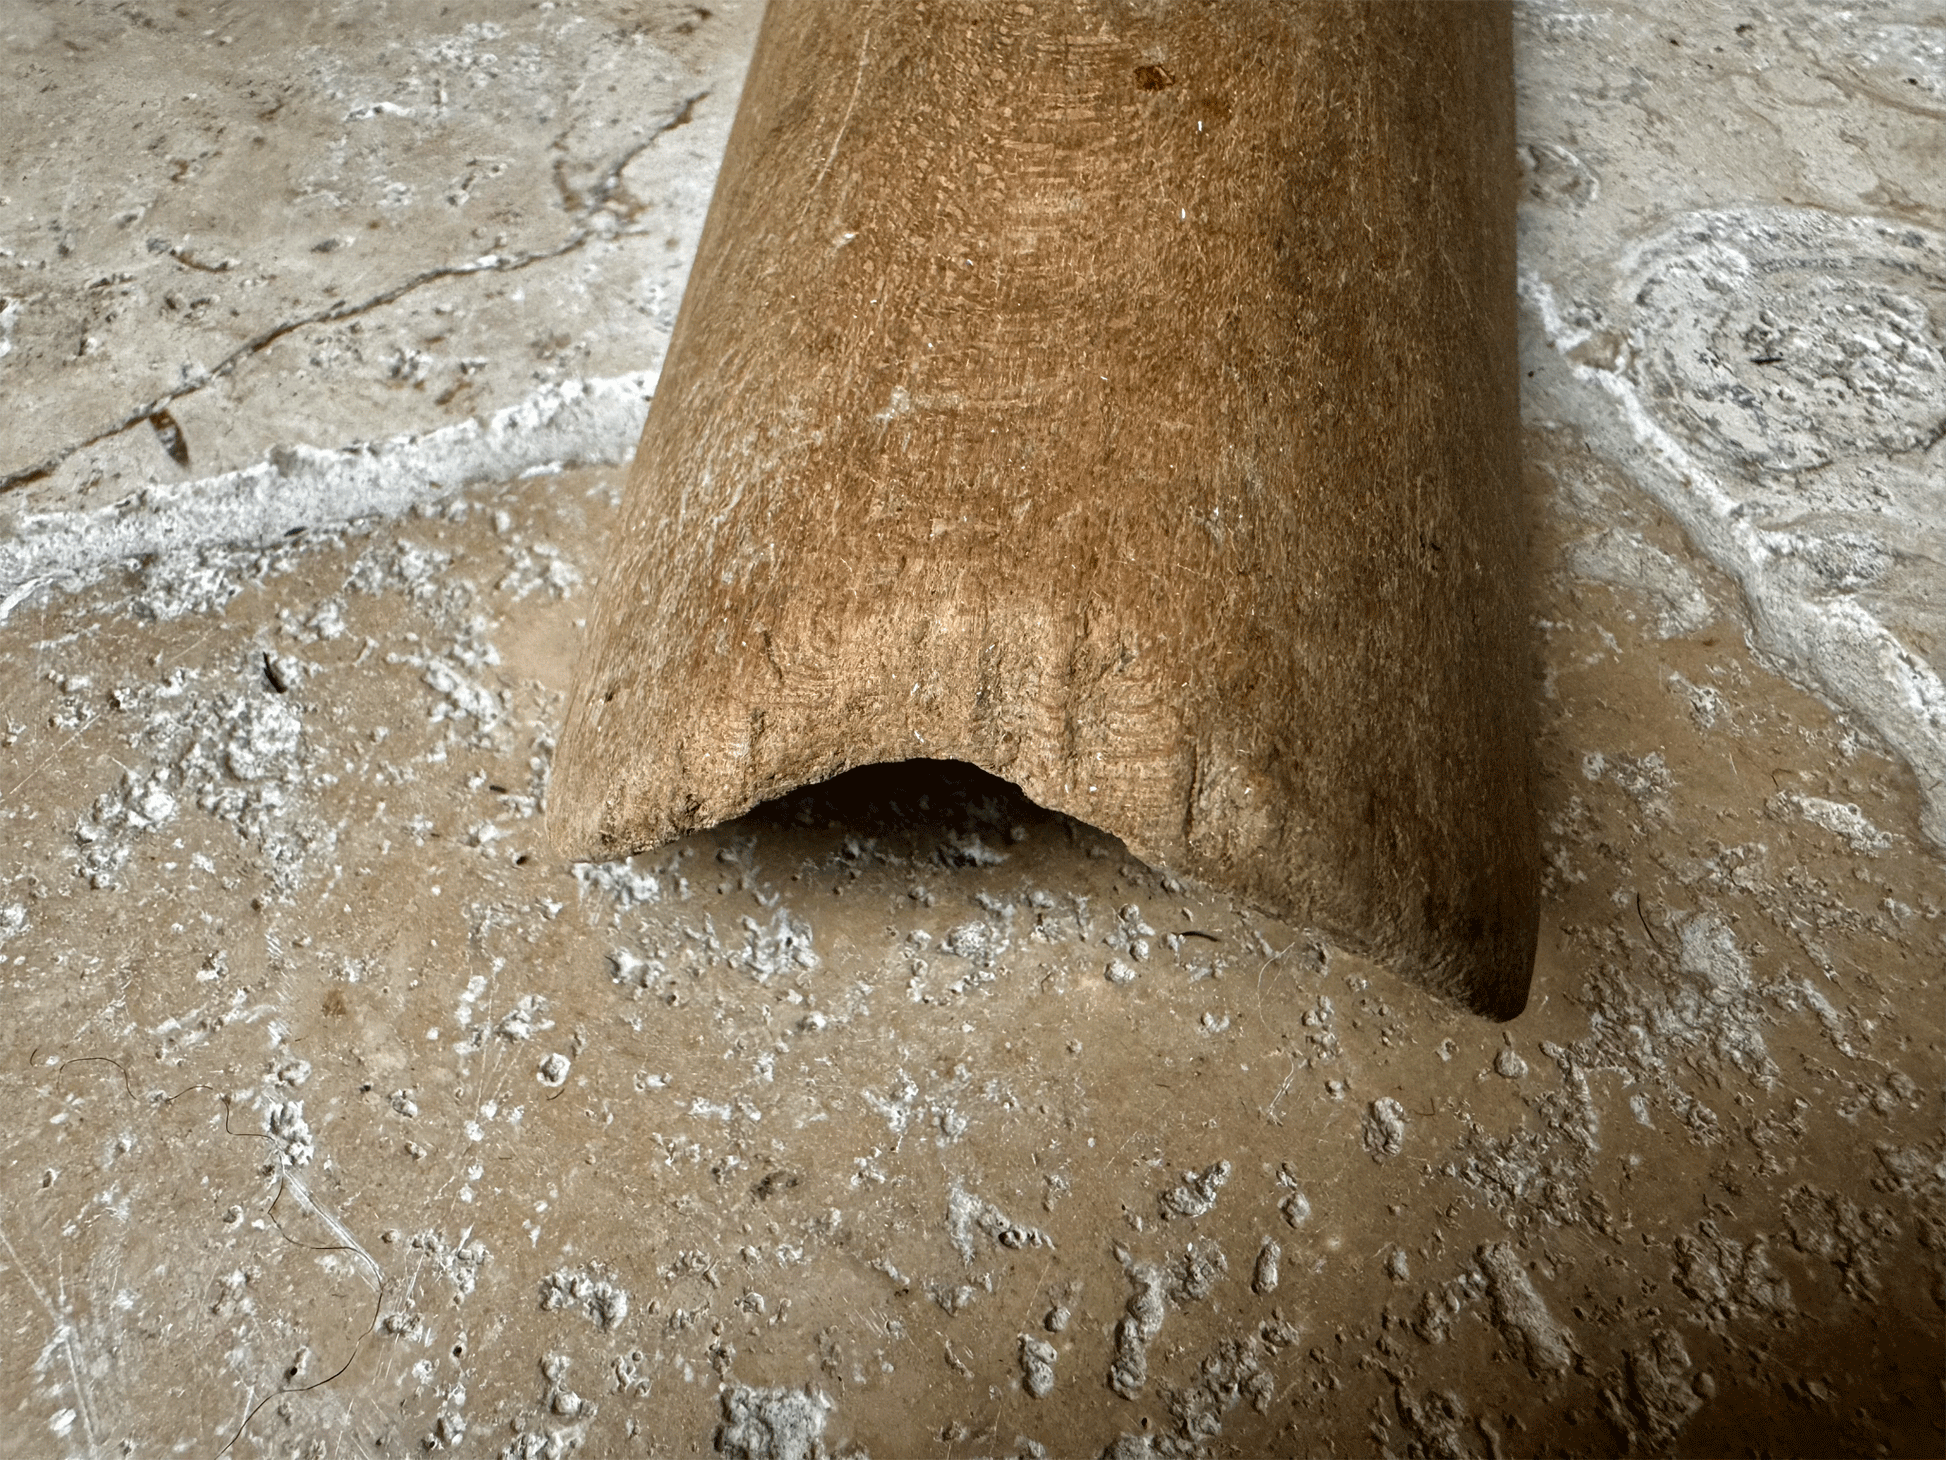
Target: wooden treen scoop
[1118, 395]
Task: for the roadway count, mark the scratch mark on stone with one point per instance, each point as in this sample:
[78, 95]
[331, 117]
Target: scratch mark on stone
[585, 231]
[63, 1335]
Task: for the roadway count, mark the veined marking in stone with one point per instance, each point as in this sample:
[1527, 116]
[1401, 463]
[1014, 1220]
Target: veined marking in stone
[577, 423]
[1850, 306]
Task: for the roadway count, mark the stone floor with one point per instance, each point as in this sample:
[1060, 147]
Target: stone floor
[903, 1117]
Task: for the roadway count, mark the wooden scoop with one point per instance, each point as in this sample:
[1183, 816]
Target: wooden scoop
[1121, 397]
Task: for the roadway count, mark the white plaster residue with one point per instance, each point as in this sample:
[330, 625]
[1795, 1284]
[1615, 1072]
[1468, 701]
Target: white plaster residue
[772, 1424]
[459, 1262]
[1142, 1318]
[1705, 702]
[898, 1108]
[287, 1128]
[527, 1018]
[1521, 1314]
[967, 1214]
[779, 947]
[588, 1291]
[1195, 1196]
[1833, 444]
[579, 422]
[263, 739]
[1037, 1358]
[475, 986]
[1719, 1003]
[620, 881]
[1841, 817]
[1616, 555]
[1383, 1129]
[1655, 1393]
[1264, 1277]
[461, 697]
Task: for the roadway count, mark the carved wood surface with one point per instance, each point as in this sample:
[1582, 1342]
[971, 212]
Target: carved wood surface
[1120, 398]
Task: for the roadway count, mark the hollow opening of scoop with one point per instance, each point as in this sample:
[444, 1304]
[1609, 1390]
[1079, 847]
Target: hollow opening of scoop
[939, 819]
[966, 815]
[952, 814]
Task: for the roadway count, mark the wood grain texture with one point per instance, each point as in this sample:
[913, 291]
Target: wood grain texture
[1120, 397]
